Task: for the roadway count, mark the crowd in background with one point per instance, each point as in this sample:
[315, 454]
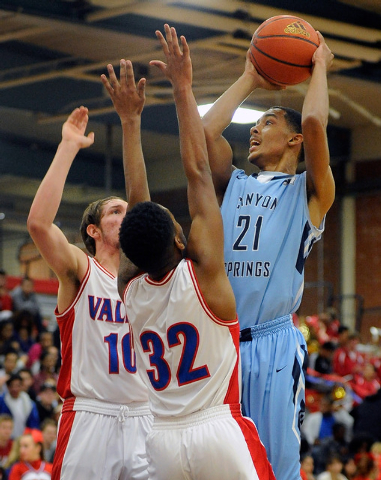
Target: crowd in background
[341, 433]
[29, 367]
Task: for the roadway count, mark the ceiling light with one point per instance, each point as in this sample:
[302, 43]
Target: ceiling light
[242, 115]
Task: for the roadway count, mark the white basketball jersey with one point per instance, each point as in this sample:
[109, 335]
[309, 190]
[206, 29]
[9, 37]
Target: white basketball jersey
[98, 359]
[188, 358]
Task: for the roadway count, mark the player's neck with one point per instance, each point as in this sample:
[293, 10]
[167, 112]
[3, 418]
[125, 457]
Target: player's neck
[109, 260]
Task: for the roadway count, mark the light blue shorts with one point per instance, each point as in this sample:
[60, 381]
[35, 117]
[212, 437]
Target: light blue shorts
[274, 359]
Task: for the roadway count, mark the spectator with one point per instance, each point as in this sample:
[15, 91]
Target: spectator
[47, 400]
[336, 445]
[47, 370]
[6, 428]
[49, 435]
[368, 416]
[376, 451]
[349, 469]
[19, 405]
[328, 326]
[31, 458]
[347, 360]
[365, 466]
[323, 362]
[24, 329]
[6, 302]
[25, 298]
[307, 467]
[319, 425]
[10, 366]
[7, 338]
[45, 340]
[334, 467]
[27, 382]
[365, 382]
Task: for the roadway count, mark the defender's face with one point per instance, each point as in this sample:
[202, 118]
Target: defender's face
[268, 138]
[113, 213]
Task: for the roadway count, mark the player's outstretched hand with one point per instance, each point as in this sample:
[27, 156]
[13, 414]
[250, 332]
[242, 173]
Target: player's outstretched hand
[73, 130]
[322, 54]
[127, 97]
[178, 68]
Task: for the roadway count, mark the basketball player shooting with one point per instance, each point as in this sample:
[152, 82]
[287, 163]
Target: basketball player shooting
[179, 300]
[271, 220]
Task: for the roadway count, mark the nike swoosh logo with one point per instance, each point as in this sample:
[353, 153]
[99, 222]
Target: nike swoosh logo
[279, 369]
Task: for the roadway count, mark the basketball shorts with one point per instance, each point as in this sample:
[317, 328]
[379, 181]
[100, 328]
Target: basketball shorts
[98, 441]
[274, 358]
[213, 444]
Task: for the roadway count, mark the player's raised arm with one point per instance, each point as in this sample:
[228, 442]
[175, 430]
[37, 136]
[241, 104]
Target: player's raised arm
[67, 261]
[205, 241]
[128, 99]
[320, 182]
[219, 117]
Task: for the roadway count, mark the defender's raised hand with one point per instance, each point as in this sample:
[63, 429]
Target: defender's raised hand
[73, 130]
[178, 68]
[127, 97]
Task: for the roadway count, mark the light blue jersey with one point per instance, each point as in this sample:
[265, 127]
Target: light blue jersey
[268, 236]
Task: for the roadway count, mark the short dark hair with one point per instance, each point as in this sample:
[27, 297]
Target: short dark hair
[294, 121]
[146, 236]
[92, 216]
[330, 346]
[12, 378]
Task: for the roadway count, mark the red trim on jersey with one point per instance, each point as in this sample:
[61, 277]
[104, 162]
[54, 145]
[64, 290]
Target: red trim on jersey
[82, 286]
[65, 322]
[66, 332]
[104, 270]
[202, 301]
[233, 393]
[65, 426]
[163, 281]
[68, 405]
[254, 444]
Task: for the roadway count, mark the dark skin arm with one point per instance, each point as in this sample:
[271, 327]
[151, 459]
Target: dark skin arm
[128, 99]
[205, 241]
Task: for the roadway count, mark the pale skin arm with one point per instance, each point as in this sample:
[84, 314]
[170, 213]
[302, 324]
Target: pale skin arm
[320, 181]
[128, 100]
[219, 117]
[67, 261]
[205, 241]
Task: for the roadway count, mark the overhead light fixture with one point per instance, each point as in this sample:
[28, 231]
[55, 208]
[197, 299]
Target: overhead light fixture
[242, 115]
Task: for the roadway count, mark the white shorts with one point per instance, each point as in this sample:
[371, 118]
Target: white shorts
[99, 441]
[214, 444]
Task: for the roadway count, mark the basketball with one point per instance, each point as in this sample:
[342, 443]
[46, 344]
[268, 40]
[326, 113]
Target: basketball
[281, 49]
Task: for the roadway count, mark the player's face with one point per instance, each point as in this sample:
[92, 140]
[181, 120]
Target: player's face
[113, 213]
[268, 139]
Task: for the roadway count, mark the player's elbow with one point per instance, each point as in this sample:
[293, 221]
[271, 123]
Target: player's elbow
[314, 122]
[35, 225]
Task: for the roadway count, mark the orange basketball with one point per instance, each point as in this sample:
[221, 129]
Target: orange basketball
[282, 48]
